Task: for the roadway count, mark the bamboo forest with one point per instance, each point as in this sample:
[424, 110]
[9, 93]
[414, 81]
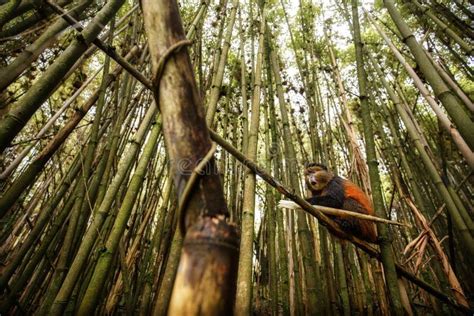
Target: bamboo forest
[236, 157]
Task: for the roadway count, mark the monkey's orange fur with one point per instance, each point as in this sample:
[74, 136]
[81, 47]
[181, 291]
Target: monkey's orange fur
[353, 191]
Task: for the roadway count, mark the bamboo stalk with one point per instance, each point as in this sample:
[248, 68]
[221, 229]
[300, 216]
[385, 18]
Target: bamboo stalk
[311, 272]
[468, 49]
[100, 216]
[384, 236]
[243, 300]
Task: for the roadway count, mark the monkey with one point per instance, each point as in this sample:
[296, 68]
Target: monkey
[333, 191]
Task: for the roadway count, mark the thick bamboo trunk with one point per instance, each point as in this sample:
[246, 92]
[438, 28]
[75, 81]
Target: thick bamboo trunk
[208, 261]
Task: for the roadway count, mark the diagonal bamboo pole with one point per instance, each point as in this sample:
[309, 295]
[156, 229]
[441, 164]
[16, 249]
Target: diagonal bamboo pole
[468, 49]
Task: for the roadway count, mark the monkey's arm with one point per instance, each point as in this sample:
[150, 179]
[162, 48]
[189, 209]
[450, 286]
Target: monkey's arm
[327, 200]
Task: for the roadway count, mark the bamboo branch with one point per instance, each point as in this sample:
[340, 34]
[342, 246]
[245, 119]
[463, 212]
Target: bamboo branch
[339, 212]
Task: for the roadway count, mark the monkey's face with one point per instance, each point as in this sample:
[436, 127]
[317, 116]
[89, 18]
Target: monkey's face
[317, 178]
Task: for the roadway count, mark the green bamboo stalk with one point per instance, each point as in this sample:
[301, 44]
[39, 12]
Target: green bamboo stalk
[199, 15]
[100, 214]
[61, 267]
[270, 210]
[29, 266]
[79, 196]
[309, 264]
[452, 84]
[462, 27]
[154, 249]
[45, 40]
[217, 49]
[7, 11]
[281, 238]
[163, 297]
[27, 15]
[351, 275]
[341, 280]
[41, 223]
[436, 179]
[356, 157]
[243, 300]
[243, 87]
[28, 176]
[429, 165]
[103, 265]
[219, 74]
[388, 257]
[390, 121]
[19, 158]
[364, 268]
[297, 284]
[445, 122]
[120, 98]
